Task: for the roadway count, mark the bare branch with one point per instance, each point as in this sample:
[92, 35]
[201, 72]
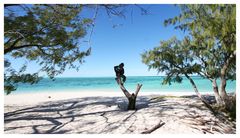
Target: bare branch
[161, 123]
[143, 11]
[127, 94]
[138, 89]
[111, 10]
[93, 24]
[14, 32]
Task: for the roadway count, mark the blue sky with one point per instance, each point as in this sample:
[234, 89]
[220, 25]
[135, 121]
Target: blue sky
[125, 43]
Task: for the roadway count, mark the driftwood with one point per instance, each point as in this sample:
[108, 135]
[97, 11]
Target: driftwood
[131, 97]
[154, 128]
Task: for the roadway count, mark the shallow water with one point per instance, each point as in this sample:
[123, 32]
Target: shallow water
[150, 84]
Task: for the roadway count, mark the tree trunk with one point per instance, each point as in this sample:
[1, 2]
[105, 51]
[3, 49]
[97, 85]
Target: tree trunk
[131, 97]
[199, 95]
[216, 92]
[132, 103]
[223, 92]
[228, 104]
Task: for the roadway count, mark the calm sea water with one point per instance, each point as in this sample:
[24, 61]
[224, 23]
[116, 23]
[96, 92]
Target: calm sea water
[108, 84]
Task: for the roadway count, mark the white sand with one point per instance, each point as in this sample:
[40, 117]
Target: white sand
[35, 98]
[105, 112]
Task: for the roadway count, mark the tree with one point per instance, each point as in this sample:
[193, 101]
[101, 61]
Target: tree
[176, 59]
[131, 97]
[49, 35]
[211, 42]
[213, 28]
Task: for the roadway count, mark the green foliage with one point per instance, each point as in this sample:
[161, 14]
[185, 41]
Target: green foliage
[49, 35]
[211, 41]
[173, 57]
[210, 24]
[11, 81]
[14, 77]
[212, 29]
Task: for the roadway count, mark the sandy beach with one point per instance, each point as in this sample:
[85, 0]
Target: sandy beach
[101, 113]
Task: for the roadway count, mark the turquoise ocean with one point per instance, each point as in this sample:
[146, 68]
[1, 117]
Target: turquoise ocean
[108, 84]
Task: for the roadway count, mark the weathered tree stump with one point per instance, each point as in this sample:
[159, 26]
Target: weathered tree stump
[131, 97]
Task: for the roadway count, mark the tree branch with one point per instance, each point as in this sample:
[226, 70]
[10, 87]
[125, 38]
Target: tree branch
[8, 5]
[161, 123]
[14, 32]
[227, 63]
[205, 75]
[8, 41]
[12, 47]
[127, 94]
[93, 24]
[125, 91]
[24, 46]
[138, 89]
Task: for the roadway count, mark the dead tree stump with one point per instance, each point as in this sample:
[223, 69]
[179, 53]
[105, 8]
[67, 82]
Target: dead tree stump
[131, 97]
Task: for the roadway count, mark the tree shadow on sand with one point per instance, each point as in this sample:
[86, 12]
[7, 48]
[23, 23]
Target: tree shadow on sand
[52, 113]
[106, 115]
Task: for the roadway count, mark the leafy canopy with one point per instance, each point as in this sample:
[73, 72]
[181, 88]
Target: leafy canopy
[209, 45]
[172, 57]
[47, 34]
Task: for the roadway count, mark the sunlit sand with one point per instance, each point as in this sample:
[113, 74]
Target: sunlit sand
[105, 112]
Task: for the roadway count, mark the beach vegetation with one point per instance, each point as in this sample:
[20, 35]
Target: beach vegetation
[207, 50]
[49, 35]
[46, 34]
